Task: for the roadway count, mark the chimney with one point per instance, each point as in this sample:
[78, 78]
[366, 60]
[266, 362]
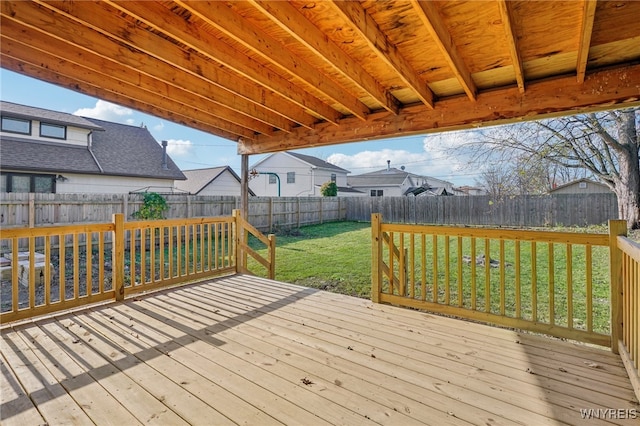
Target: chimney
[164, 156]
[388, 165]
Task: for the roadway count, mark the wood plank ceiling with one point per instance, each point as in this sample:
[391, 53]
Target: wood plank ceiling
[276, 75]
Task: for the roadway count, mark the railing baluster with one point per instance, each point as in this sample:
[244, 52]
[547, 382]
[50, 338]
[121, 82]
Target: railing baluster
[447, 270]
[460, 293]
[423, 268]
[32, 272]
[569, 286]
[487, 276]
[518, 283]
[435, 269]
[474, 290]
[47, 270]
[89, 264]
[503, 300]
[589, 286]
[534, 281]
[551, 267]
[101, 262]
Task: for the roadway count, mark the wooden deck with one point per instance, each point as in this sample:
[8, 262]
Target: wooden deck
[246, 350]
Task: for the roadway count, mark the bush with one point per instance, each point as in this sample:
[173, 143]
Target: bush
[153, 207]
[329, 189]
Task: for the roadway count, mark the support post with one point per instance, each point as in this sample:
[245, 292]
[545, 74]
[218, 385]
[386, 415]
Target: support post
[244, 186]
[118, 255]
[616, 228]
[32, 210]
[376, 256]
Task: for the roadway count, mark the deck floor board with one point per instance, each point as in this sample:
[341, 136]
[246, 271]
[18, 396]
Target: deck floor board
[246, 350]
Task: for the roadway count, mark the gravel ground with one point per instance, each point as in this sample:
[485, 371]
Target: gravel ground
[23, 291]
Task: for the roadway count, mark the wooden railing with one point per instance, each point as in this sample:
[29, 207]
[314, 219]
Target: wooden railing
[556, 283]
[245, 230]
[63, 267]
[628, 338]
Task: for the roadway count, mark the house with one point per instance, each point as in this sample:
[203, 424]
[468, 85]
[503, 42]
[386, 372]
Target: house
[581, 186]
[395, 182]
[55, 152]
[211, 181]
[290, 174]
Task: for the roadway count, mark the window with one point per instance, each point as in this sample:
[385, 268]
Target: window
[19, 182]
[16, 125]
[291, 177]
[376, 192]
[56, 131]
[273, 179]
[582, 185]
[333, 177]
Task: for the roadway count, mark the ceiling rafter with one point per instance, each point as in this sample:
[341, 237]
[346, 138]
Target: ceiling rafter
[156, 16]
[38, 16]
[586, 28]
[102, 76]
[220, 16]
[231, 108]
[387, 51]
[186, 117]
[297, 26]
[544, 98]
[431, 19]
[512, 42]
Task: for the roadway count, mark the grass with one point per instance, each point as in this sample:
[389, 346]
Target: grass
[337, 257]
[333, 256]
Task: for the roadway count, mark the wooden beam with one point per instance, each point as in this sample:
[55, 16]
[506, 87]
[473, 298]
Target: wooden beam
[289, 18]
[44, 73]
[221, 17]
[586, 28]
[512, 42]
[430, 17]
[220, 74]
[602, 90]
[387, 51]
[153, 55]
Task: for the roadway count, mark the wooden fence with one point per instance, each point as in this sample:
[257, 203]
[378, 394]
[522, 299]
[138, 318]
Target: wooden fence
[269, 214]
[526, 210]
[265, 213]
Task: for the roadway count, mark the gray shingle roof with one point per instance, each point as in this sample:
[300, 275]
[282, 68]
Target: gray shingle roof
[379, 177]
[131, 151]
[314, 161]
[120, 150]
[30, 155]
[24, 111]
[198, 179]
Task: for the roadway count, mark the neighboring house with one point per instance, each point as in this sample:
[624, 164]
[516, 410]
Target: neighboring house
[392, 182]
[581, 186]
[54, 152]
[212, 181]
[290, 174]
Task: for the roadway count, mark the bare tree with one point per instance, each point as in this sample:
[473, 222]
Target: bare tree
[606, 144]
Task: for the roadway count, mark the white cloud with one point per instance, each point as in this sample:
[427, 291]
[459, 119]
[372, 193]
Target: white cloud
[367, 161]
[159, 127]
[107, 111]
[178, 147]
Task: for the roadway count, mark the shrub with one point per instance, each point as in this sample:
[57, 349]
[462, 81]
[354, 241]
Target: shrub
[153, 207]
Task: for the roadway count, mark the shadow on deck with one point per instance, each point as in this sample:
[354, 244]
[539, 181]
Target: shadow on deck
[247, 350]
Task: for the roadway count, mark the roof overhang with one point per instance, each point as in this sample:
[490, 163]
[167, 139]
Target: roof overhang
[277, 75]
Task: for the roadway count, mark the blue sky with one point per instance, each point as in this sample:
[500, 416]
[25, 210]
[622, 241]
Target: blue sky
[193, 149]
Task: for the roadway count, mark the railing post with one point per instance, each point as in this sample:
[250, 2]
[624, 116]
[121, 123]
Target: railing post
[272, 256]
[616, 228]
[376, 256]
[118, 256]
[241, 260]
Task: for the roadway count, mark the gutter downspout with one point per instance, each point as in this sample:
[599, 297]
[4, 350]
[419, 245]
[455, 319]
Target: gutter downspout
[89, 143]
